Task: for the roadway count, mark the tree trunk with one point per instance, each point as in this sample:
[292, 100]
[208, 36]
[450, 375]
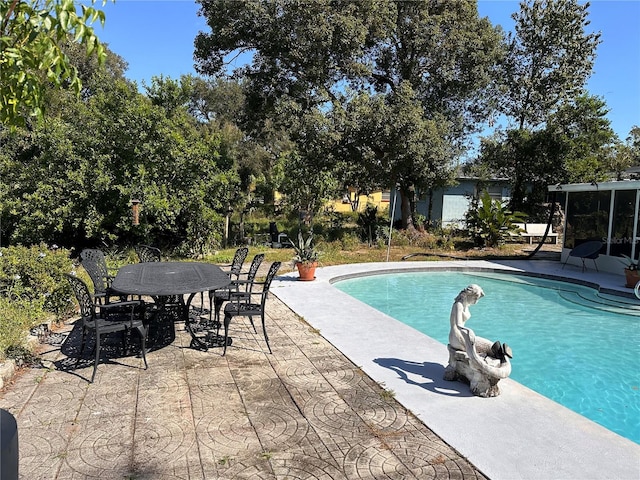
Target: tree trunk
[355, 203]
[430, 208]
[407, 206]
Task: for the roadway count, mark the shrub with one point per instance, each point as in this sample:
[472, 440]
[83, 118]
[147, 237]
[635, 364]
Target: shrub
[32, 288]
[415, 238]
[368, 221]
[36, 274]
[349, 241]
[17, 317]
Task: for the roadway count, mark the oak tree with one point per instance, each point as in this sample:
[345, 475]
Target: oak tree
[433, 58]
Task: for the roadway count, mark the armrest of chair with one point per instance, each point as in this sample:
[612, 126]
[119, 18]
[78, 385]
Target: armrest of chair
[243, 295]
[124, 304]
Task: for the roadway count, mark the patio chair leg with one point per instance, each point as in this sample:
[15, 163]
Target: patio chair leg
[218, 305]
[266, 337]
[84, 334]
[215, 304]
[143, 336]
[125, 342]
[97, 358]
[227, 321]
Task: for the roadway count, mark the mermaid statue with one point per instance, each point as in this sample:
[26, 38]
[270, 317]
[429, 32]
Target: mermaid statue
[472, 359]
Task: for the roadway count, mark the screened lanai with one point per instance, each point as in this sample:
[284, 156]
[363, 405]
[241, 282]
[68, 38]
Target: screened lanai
[601, 211]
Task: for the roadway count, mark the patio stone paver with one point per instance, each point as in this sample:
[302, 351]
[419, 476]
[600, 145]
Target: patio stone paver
[303, 412]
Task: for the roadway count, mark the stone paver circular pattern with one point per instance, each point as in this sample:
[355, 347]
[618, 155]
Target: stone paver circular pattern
[304, 412]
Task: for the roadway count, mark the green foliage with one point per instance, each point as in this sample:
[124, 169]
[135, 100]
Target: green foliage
[426, 64]
[36, 275]
[629, 263]
[575, 146]
[58, 184]
[561, 134]
[32, 288]
[18, 317]
[419, 239]
[549, 59]
[491, 222]
[585, 138]
[308, 185]
[31, 57]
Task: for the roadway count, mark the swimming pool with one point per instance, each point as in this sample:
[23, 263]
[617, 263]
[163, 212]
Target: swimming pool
[570, 343]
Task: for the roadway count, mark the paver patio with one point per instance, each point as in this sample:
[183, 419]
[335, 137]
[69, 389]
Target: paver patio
[303, 412]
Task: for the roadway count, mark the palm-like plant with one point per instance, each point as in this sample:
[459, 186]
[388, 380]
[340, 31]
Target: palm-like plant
[492, 222]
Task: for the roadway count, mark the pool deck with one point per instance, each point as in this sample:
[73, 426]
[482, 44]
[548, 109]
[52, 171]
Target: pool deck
[517, 435]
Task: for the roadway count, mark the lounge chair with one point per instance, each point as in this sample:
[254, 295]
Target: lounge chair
[590, 249]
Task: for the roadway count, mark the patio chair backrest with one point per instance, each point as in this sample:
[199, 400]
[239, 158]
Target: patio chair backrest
[253, 270]
[275, 266]
[95, 264]
[83, 296]
[238, 259]
[255, 265]
[147, 253]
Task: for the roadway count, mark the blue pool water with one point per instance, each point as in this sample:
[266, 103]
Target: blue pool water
[570, 344]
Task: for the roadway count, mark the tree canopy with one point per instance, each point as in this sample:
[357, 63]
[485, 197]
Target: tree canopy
[428, 61]
[557, 133]
[549, 59]
[60, 185]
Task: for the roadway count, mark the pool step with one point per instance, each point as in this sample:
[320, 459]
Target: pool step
[602, 302]
[574, 293]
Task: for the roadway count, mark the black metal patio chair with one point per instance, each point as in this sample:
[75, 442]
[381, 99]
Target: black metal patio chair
[235, 270]
[147, 253]
[239, 287]
[245, 306]
[109, 318]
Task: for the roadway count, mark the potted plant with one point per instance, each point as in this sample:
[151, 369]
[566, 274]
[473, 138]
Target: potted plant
[306, 257]
[631, 271]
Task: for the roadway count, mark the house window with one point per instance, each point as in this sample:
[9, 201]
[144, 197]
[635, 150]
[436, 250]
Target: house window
[386, 196]
[495, 192]
[587, 217]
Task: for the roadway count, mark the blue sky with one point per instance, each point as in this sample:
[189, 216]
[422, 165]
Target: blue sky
[156, 37]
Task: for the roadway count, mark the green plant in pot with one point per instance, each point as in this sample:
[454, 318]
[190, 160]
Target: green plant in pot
[631, 270]
[305, 257]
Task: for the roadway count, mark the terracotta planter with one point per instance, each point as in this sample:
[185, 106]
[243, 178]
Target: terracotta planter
[307, 271]
[633, 277]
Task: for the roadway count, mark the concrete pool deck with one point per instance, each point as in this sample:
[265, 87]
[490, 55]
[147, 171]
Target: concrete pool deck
[518, 435]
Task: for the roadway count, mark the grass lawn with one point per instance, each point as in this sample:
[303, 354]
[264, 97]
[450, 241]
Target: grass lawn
[363, 254]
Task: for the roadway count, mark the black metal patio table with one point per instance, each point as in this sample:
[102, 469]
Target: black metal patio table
[164, 279]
